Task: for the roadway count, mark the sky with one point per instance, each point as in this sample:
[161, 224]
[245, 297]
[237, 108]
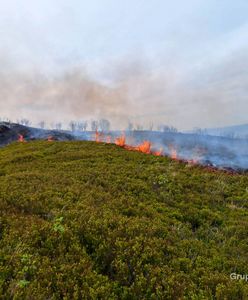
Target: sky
[180, 63]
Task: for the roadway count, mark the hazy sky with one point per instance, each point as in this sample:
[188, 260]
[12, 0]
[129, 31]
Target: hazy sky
[182, 63]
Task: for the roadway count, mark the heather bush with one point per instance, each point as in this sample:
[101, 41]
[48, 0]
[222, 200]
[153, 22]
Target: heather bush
[80, 220]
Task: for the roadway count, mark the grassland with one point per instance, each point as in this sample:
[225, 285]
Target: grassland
[80, 220]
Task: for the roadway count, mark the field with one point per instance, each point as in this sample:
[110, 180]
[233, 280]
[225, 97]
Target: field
[81, 220]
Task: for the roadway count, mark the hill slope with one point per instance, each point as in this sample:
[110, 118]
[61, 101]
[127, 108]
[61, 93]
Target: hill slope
[236, 131]
[80, 220]
[10, 132]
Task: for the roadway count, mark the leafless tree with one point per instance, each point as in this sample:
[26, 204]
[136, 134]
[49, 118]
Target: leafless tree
[130, 126]
[199, 131]
[166, 128]
[82, 126]
[151, 126]
[94, 125]
[72, 125]
[58, 126]
[139, 127]
[42, 124]
[25, 122]
[85, 125]
[7, 120]
[79, 126]
[230, 135]
[104, 125]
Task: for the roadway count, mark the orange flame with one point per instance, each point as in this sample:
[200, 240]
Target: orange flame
[197, 155]
[97, 136]
[158, 153]
[108, 139]
[194, 161]
[50, 138]
[120, 141]
[21, 138]
[173, 152]
[145, 147]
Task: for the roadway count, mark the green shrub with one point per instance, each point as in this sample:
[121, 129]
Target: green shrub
[80, 220]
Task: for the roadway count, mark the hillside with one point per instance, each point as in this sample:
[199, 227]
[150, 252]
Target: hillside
[11, 132]
[232, 131]
[221, 152]
[81, 220]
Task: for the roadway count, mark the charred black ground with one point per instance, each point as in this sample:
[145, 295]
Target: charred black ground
[9, 132]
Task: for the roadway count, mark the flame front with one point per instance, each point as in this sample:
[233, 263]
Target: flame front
[50, 138]
[173, 152]
[108, 139]
[97, 136]
[121, 141]
[158, 153]
[145, 147]
[21, 138]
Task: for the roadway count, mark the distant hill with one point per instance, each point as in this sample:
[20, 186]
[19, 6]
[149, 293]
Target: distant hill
[10, 132]
[230, 131]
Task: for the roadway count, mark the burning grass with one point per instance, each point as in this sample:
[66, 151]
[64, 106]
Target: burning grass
[86, 220]
[146, 147]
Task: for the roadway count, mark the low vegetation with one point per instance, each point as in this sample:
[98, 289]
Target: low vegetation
[80, 220]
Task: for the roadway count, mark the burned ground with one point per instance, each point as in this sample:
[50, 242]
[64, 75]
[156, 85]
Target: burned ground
[10, 132]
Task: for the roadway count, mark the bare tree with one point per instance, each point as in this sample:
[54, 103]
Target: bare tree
[42, 124]
[85, 125]
[160, 127]
[173, 129]
[104, 125]
[79, 126]
[130, 126]
[139, 127]
[94, 125]
[151, 126]
[166, 128]
[230, 135]
[200, 131]
[7, 120]
[58, 126]
[82, 126]
[25, 122]
[72, 125]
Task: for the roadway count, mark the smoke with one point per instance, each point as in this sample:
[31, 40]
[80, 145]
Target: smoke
[70, 95]
[135, 90]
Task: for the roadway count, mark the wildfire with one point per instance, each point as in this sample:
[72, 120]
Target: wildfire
[173, 152]
[198, 152]
[193, 161]
[108, 139]
[97, 136]
[121, 141]
[158, 153]
[21, 138]
[50, 138]
[145, 147]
